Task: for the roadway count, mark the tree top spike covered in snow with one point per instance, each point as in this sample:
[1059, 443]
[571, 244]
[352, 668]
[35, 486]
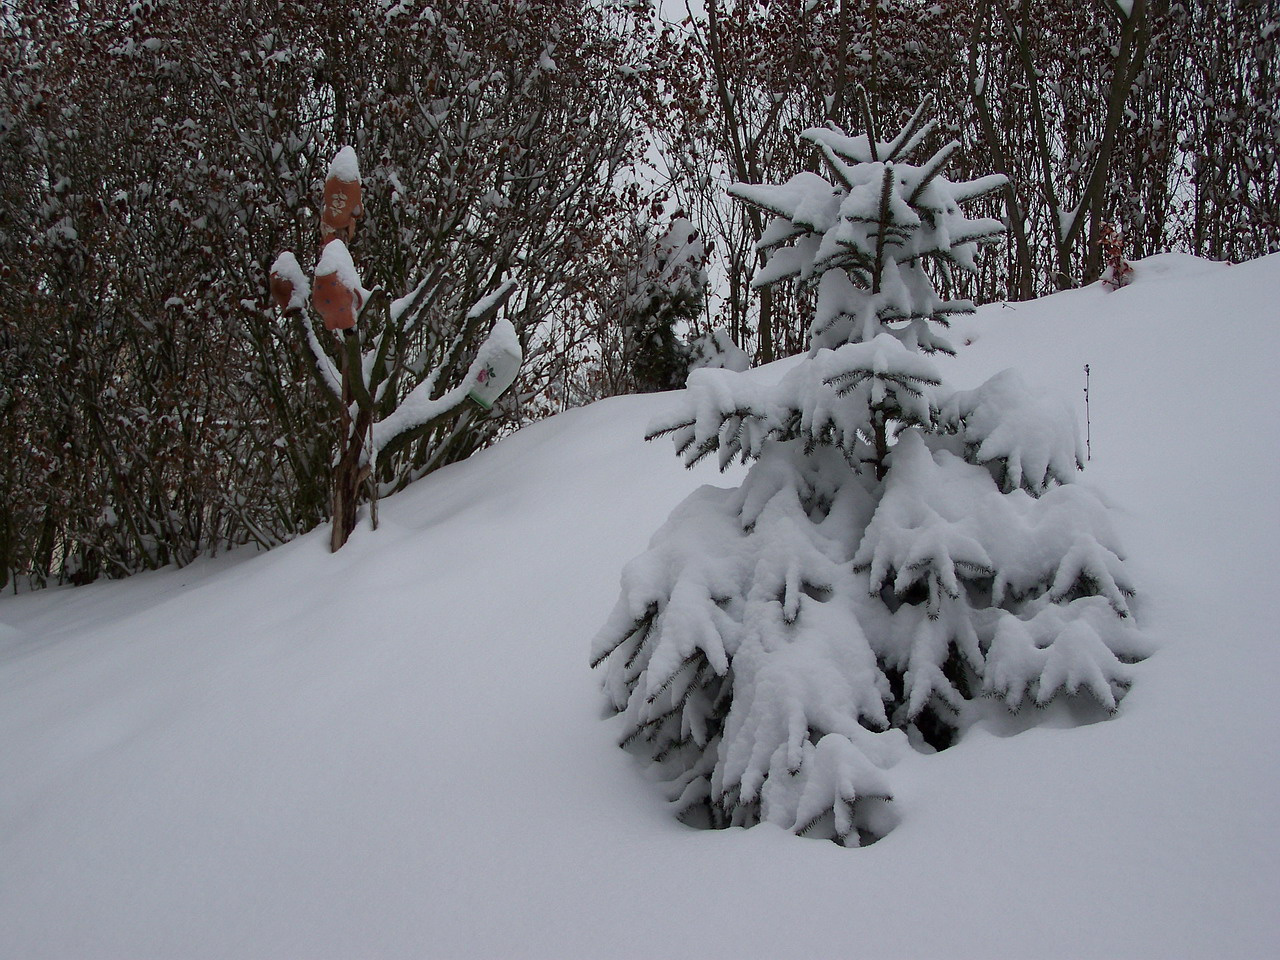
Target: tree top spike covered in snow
[875, 238]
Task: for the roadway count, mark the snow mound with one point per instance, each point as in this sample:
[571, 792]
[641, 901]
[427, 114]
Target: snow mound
[397, 751]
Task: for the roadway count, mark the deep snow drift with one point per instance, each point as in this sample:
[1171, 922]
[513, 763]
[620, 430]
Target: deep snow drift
[397, 750]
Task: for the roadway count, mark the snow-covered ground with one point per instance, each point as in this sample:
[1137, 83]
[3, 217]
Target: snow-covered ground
[399, 751]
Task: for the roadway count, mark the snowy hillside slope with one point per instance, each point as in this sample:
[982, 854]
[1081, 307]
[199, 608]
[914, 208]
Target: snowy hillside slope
[398, 751]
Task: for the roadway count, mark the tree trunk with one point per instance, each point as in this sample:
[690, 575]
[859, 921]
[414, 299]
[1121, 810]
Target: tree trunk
[881, 439]
[766, 353]
[349, 473]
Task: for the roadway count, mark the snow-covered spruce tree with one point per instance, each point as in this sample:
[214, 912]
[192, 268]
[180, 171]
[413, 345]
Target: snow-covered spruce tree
[897, 550]
[668, 291]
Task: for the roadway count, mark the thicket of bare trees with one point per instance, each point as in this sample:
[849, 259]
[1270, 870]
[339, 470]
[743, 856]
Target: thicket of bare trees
[155, 161]
[1157, 116]
[154, 158]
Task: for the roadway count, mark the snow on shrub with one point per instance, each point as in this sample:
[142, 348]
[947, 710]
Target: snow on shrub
[898, 549]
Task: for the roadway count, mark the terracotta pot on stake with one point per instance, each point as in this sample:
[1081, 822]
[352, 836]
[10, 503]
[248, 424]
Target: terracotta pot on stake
[342, 200]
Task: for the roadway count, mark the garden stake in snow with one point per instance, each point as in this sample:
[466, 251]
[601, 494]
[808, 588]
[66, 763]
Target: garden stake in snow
[384, 399]
[1088, 422]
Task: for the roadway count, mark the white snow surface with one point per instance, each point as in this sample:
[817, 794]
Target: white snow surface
[398, 751]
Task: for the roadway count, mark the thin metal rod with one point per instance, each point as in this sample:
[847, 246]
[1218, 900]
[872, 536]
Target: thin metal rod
[1088, 426]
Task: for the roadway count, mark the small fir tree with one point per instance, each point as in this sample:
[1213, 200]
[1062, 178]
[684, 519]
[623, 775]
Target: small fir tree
[668, 294]
[897, 550]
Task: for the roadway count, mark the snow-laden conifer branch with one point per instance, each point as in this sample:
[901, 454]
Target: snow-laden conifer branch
[1028, 439]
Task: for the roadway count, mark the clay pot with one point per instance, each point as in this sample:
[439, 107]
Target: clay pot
[342, 207]
[282, 292]
[336, 304]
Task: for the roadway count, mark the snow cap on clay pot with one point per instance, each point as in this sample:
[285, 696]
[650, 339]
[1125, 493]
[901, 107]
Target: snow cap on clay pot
[289, 287]
[338, 293]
